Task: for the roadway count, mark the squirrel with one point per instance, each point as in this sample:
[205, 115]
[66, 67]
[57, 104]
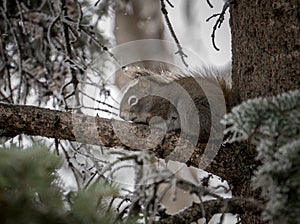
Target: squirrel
[176, 100]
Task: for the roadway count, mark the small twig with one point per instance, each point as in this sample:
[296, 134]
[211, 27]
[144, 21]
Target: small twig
[210, 5]
[170, 27]
[70, 165]
[97, 3]
[68, 49]
[170, 4]
[196, 189]
[90, 180]
[98, 101]
[100, 45]
[202, 208]
[80, 14]
[5, 69]
[21, 17]
[223, 212]
[73, 64]
[18, 47]
[226, 190]
[52, 45]
[42, 5]
[85, 29]
[92, 108]
[56, 143]
[219, 22]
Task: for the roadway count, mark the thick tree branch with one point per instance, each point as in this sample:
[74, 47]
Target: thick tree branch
[212, 207]
[207, 209]
[35, 121]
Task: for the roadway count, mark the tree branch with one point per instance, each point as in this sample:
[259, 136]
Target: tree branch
[35, 121]
[212, 207]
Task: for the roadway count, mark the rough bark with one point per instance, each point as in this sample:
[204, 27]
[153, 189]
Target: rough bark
[194, 212]
[35, 121]
[265, 47]
[266, 52]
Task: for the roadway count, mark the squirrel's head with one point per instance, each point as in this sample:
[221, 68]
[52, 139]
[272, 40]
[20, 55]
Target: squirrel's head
[132, 106]
[140, 103]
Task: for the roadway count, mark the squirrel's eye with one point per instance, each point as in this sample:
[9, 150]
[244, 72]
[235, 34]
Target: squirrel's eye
[132, 100]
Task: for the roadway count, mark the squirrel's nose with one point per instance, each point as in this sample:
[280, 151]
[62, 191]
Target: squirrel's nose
[123, 115]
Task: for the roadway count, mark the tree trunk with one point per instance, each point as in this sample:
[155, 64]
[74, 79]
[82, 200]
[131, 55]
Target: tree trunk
[266, 52]
[265, 47]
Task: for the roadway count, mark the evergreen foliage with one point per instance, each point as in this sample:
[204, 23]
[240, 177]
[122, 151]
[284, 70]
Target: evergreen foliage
[273, 126]
[30, 192]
